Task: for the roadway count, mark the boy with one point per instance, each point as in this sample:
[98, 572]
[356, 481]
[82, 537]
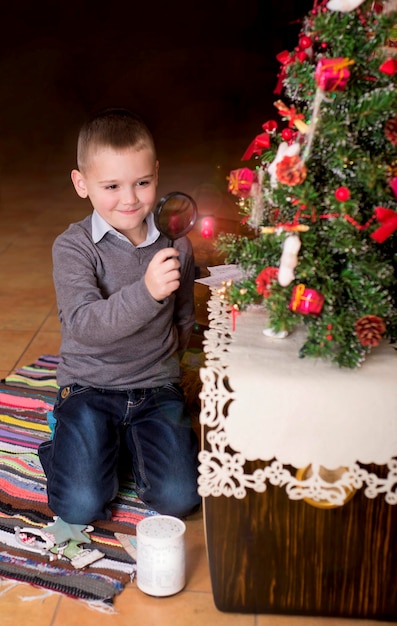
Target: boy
[125, 302]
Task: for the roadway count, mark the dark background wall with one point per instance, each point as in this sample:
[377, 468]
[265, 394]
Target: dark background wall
[201, 73]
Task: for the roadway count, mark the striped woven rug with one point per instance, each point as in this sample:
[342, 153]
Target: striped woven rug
[26, 397]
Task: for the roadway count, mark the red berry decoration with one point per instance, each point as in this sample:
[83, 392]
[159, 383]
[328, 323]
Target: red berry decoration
[342, 194]
[287, 134]
[305, 42]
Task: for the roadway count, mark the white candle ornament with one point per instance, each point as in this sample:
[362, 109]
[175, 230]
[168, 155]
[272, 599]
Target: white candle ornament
[289, 260]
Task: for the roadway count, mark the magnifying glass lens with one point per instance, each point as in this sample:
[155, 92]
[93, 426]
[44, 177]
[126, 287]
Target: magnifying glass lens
[175, 215]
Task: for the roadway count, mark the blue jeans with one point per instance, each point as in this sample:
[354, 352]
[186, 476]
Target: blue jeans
[99, 431]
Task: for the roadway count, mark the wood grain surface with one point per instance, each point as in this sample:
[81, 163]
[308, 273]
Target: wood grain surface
[269, 554]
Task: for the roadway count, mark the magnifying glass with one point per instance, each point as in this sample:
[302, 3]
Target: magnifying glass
[175, 215]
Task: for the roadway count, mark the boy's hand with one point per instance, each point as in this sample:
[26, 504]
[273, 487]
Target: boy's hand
[162, 275]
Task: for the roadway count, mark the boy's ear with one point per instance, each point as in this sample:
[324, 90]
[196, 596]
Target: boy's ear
[79, 183]
[157, 173]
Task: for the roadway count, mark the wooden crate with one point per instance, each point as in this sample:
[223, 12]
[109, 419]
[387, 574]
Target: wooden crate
[277, 431]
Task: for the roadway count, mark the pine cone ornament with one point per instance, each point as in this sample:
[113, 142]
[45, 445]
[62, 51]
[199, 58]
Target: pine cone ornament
[370, 329]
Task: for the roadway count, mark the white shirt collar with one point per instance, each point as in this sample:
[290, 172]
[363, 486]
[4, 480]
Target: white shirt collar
[100, 227]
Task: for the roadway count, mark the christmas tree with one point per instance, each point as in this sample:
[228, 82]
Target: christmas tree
[320, 198]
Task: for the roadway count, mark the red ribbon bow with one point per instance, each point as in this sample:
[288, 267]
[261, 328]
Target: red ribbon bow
[388, 221]
[261, 142]
[294, 118]
[389, 67]
[286, 59]
[235, 313]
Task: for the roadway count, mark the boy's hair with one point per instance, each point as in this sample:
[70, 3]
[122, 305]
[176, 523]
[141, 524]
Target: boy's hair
[112, 128]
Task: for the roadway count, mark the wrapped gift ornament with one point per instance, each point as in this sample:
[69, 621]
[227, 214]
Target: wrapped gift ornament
[306, 301]
[333, 74]
[241, 181]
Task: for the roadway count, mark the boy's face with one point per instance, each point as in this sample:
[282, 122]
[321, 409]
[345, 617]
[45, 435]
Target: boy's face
[121, 185]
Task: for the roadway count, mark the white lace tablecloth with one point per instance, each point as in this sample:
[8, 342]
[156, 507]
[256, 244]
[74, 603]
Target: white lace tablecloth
[260, 401]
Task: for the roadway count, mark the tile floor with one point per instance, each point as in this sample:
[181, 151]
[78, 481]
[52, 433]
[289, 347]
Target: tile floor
[33, 211]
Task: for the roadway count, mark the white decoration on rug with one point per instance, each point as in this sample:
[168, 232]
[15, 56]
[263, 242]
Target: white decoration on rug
[233, 438]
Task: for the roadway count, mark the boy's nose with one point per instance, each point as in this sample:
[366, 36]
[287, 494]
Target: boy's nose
[130, 196]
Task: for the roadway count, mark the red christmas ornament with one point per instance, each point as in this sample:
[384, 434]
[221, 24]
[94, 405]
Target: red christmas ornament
[305, 42]
[306, 301]
[342, 194]
[264, 280]
[287, 134]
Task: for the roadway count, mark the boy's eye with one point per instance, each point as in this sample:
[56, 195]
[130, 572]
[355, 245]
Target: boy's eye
[143, 183]
[111, 186]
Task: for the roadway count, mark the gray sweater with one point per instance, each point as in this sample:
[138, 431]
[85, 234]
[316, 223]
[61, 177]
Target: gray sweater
[115, 335]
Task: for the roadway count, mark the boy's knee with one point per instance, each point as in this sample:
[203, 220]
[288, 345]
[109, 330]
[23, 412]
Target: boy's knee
[83, 506]
[175, 504]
